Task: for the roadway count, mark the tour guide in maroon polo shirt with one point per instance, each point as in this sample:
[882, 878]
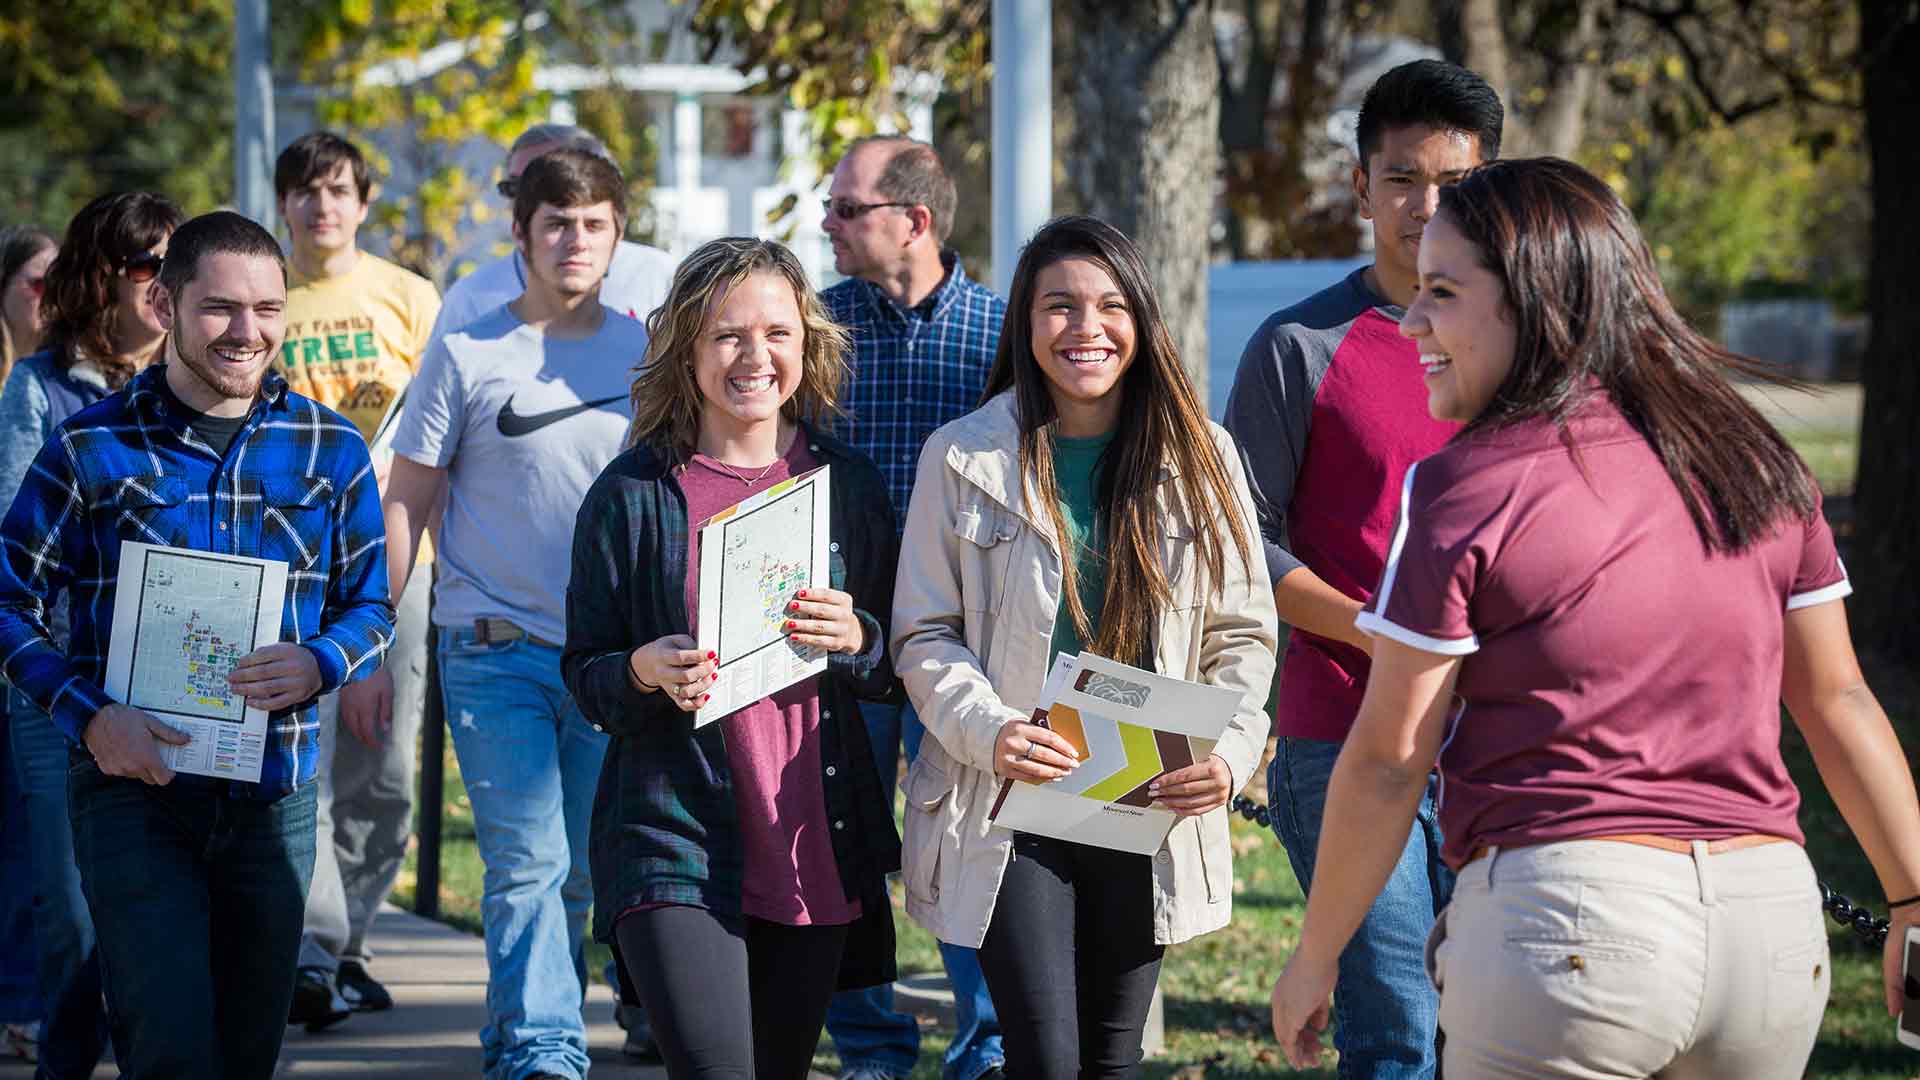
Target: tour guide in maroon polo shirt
[1329, 410]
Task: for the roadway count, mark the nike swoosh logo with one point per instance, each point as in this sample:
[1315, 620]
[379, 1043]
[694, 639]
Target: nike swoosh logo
[513, 425]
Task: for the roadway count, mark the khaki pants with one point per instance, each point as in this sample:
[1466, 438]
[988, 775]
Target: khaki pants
[1600, 959]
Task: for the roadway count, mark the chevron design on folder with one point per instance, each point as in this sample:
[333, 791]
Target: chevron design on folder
[1119, 760]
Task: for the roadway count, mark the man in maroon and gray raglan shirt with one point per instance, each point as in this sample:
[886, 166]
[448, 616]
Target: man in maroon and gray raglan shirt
[1329, 410]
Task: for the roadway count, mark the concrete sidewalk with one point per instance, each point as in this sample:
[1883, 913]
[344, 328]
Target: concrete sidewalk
[438, 977]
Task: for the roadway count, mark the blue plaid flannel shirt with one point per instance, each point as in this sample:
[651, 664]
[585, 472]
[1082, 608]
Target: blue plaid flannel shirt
[296, 485]
[913, 370]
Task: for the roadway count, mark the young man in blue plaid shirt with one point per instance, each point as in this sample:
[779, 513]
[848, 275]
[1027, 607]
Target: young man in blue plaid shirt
[197, 885]
[924, 337]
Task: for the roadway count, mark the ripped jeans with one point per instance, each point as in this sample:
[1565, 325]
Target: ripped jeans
[530, 762]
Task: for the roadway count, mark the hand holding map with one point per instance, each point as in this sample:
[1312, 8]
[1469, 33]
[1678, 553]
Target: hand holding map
[183, 621]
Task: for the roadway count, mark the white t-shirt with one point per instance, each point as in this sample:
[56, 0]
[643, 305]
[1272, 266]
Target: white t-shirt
[636, 283]
[523, 423]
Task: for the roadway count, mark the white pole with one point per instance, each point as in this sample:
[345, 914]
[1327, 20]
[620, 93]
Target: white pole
[1022, 128]
[253, 147]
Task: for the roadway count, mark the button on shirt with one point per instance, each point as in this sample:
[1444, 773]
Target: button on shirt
[914, 369]
[296, 485]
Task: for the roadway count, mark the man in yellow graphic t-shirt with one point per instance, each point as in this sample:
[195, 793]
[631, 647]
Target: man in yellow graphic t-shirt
[357, 326]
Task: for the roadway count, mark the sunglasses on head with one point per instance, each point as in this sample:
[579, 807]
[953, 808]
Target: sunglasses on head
[35, 285]
[142, 267]
[847, 209]
[508, 188]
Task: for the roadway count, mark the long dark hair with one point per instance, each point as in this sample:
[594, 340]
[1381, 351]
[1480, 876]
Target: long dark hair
[79, 301]
[1162, 426]
[1589, 310]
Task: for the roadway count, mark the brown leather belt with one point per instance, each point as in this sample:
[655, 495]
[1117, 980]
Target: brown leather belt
[1665, 843]
[488, 631]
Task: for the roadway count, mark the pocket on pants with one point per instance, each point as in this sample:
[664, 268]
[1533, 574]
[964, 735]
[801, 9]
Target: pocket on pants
[1797, 984]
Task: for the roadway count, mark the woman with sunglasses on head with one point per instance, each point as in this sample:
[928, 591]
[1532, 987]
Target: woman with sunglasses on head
[1088, 505]
[25, 253]
[739, 868]
[100, 330]
[1598, 595]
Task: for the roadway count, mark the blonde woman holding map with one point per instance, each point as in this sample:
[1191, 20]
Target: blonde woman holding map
[1092, 443]
[740, 867]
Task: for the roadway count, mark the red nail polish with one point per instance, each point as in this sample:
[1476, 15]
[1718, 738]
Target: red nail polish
[793, 607]
[704, 698]
[803, 593]
[711, 656]
[789, 624]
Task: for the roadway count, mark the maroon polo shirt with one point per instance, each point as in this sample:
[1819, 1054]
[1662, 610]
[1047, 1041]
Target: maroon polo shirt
[1616, 677]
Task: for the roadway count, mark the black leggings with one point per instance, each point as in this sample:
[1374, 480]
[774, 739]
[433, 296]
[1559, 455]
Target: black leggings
[1068, 909]
[727, 999]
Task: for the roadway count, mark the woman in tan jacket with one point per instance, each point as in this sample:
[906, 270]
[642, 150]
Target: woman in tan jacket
[1093, 433]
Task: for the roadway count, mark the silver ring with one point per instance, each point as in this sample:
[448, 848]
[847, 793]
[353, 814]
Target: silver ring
[1028, 756]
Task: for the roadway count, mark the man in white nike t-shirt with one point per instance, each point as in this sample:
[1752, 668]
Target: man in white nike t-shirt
[636, 281]
[511, 417]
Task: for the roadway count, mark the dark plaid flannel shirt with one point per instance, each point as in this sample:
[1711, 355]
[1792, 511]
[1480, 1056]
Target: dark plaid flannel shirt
[296, 485]
[913, 369]
[664, 824]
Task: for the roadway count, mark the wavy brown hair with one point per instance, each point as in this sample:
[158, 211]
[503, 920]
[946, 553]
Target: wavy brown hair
[1589, 311]
[1162, 426]
[80, 302]
[667, 400]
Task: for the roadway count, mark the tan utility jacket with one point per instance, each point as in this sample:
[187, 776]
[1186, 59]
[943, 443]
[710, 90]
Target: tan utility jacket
[973, 612]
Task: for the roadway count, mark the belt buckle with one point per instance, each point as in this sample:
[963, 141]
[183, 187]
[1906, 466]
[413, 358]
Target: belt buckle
[488, 631]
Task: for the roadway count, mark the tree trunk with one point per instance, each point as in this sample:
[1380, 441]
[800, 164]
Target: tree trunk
[1561, 121]
[1887, 497]
[1146, 144]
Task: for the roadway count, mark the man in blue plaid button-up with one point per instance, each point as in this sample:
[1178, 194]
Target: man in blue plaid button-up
[924, 337]
[197, 885]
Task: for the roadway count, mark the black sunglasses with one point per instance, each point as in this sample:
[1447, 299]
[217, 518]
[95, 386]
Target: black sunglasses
[508, 188]
[142, 267]
[847, 209]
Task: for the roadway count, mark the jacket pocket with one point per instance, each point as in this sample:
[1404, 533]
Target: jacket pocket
[295, 520]
[1180, 562]
[928, 790]
[988, 531]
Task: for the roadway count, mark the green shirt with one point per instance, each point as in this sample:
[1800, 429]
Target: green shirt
[1074, 461]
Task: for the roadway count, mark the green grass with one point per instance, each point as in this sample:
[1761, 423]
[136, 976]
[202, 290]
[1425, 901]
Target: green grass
[1834, 457]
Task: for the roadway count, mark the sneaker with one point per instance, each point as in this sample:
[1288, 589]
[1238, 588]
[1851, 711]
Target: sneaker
[363, 993]
[23, 1041]
[316, 1003]
[639, 1043]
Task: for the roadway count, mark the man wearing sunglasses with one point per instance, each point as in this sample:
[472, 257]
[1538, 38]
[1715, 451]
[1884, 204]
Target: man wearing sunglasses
[635, 283]
[357, 327]
[924, 336]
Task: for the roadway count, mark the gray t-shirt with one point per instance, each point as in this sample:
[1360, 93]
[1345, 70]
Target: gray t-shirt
[522, 423]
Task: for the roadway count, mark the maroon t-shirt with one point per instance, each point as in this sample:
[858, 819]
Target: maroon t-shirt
[773, 745]
[1616, 677]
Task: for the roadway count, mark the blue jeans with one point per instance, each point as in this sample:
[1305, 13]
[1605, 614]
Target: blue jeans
[531, 762]
[197, 898]
[866, 1030]
[75, 1032]
[19, 985]
[1385, 1010]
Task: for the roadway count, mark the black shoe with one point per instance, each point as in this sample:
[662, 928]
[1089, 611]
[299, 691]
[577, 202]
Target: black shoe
[361, 991]
[315, 1001]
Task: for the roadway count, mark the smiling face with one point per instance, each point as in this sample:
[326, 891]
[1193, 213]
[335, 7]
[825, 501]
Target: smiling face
[750, 354]
[568, 248]
[1400, 189]
[227, 326]
[136, 320]
[1083, 338]
[325, 216]
[1462, 324]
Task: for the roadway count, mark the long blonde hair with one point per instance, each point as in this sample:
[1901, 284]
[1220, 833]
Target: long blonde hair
[667, 400]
